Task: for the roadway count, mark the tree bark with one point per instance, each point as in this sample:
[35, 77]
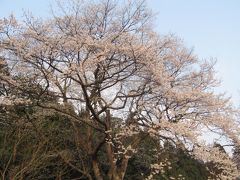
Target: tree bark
[118, 172]
[96, 169]
[123, 167]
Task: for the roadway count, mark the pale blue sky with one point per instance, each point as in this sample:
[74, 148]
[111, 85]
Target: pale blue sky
[212, 27]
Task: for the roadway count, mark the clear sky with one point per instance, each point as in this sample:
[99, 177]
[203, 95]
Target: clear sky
[211, 27]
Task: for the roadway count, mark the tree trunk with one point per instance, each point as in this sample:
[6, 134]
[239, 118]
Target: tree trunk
[96, 169]
[118, 172]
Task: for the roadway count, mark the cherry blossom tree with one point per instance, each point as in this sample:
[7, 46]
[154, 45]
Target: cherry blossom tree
[103, 60]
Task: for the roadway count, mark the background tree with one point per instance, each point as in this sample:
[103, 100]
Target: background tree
[104, 60]
[236, 158]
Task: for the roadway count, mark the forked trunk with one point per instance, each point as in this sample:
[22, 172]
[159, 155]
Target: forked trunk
[96, 170]
[118, 172]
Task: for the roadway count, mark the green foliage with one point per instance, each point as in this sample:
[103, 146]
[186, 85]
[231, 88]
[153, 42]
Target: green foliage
[47, 143]
[37, 145]
[181, 162]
